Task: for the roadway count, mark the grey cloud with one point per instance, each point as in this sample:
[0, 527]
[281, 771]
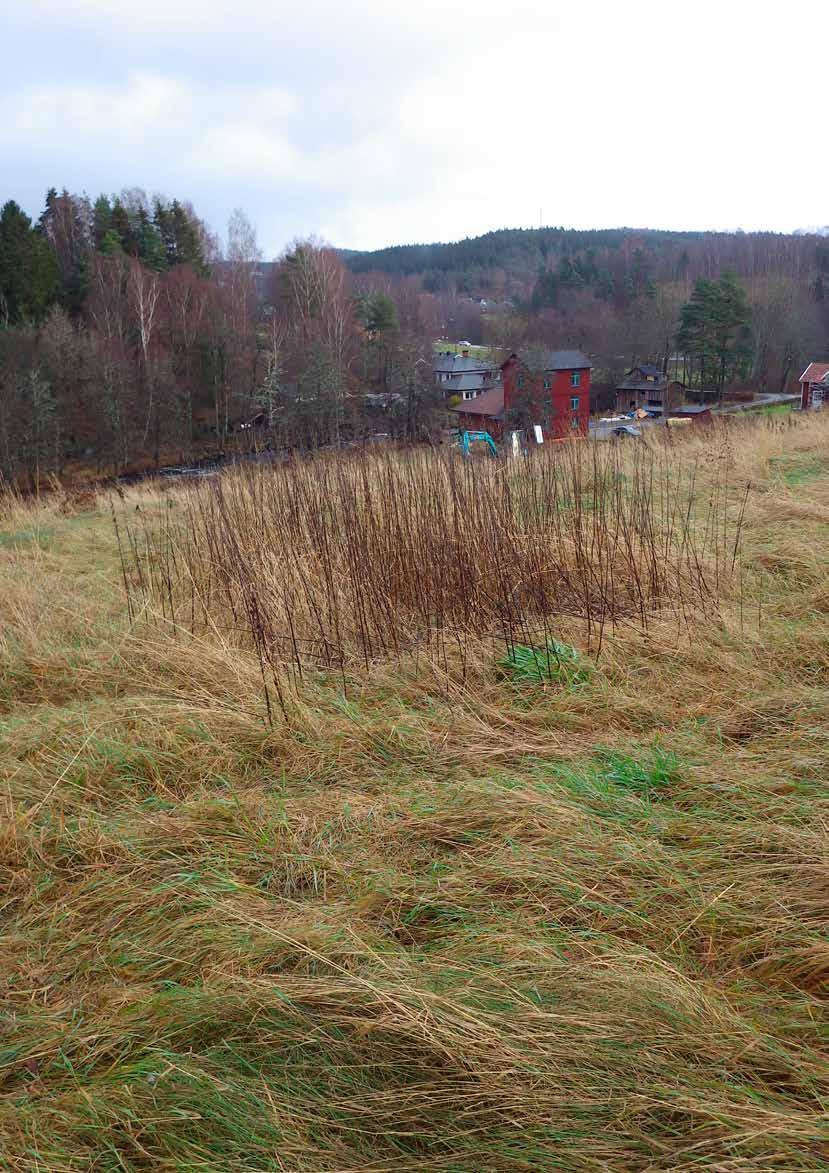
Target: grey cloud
[376, 122]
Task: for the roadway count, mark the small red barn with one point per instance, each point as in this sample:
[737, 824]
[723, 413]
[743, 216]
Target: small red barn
[814, 386]
[696, 412]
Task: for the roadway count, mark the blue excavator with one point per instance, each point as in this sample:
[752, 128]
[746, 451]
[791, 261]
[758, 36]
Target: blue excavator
[465, 440]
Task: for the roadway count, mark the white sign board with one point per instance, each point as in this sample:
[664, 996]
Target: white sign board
[539, 435]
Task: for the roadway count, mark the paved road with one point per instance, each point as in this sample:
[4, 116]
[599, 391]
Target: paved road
[757, 402]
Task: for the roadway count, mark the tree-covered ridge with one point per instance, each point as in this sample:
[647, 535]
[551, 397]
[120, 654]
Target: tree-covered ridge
[615, 262]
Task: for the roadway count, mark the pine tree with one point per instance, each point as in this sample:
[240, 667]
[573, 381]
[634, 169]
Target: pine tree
[66, 223]
[151, 248]
[101, 220]
[187, 243]
[121, 225]
[163, 221]
[29, 280]
[715, 331]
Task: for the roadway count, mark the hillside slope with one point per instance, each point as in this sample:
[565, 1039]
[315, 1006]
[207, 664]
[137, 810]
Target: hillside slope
[519, 253]
[428, 922]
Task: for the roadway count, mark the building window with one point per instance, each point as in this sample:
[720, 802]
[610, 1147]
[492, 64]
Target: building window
[575, 378]
[548, 384]
[574, 402]
[520, 380]
[574, 423]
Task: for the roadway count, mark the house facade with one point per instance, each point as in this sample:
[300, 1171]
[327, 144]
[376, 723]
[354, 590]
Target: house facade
[647, 388]
[463, 376]
[814, 386]
[552, 391]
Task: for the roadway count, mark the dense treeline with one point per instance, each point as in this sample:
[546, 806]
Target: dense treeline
[619, 293]
[131, 336]
[616, 261]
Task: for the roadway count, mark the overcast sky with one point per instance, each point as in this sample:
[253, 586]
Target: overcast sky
[369, 122]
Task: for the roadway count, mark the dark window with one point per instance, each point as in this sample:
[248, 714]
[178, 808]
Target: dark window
[548, 384]
[575, 378]
[574, 402]
[520, 380]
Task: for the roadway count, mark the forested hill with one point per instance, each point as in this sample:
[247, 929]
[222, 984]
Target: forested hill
[509, 257]
[506, 248]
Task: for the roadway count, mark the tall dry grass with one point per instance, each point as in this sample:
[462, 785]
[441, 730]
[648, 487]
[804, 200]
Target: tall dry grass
[496, 929]
[331, 563]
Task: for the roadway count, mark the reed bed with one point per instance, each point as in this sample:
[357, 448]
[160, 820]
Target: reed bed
[330, 563]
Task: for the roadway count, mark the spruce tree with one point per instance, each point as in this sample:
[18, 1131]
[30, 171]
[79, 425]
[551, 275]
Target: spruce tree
[28, 270]
[101, 219]
[715, 331]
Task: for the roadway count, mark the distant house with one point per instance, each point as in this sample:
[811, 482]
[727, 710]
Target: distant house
[553, 392]
[464, 376]
[648, 388]
[814, 386]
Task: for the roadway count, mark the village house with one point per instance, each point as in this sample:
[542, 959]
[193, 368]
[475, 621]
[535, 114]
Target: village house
[647, 388]
[554, 392]
[464, 376]
[814, 386]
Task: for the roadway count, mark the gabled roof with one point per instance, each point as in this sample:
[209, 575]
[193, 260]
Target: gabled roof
[456, 364]
[559, 360]
[474, 381]
[631, 383]
[815, 372]
[490, 404]
[566, 360]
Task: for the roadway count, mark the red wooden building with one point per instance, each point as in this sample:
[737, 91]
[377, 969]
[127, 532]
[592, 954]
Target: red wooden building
[814, 386]
[552, 391]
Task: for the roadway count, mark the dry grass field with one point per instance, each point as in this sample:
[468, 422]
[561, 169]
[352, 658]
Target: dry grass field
[392, 813]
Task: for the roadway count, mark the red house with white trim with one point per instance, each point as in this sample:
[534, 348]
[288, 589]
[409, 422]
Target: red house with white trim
[814, 386]
[553, 391]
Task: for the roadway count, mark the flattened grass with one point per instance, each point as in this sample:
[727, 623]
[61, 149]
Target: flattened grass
[437, 924]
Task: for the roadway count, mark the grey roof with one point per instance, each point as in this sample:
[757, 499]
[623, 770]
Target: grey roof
[470, 382]
[456, 364]
[630, 384]
[689, 409]
[566, 360]
[633, 382]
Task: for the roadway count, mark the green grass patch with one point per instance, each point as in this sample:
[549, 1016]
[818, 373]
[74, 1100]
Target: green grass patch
[42, 537]
[800, 468]
[553, 663]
